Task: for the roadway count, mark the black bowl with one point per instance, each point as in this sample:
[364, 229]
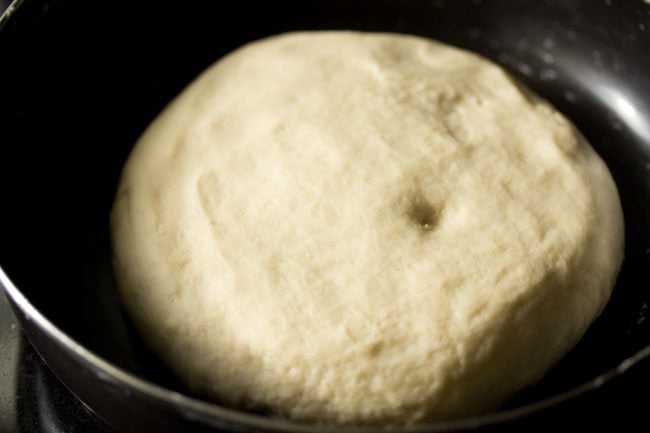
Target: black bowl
[81, 80]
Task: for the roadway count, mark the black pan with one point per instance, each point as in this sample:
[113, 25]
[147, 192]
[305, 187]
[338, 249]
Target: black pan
[81, 80]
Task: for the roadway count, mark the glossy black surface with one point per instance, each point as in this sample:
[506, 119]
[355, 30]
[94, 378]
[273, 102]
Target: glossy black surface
[81, 80]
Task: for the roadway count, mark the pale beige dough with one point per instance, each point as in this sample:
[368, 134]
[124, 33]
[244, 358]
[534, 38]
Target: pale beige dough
[356, 228]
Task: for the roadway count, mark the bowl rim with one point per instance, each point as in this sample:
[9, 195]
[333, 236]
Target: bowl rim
[206, 411]
[8, 13]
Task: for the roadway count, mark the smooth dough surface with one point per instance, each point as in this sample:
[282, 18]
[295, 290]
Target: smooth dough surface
[359, 228]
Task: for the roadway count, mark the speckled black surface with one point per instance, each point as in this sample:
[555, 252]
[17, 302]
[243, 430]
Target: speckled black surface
[32, 400]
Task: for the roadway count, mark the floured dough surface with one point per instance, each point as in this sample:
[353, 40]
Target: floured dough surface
[354, 228]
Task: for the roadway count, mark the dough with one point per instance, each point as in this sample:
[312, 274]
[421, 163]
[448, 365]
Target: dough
[357, 228]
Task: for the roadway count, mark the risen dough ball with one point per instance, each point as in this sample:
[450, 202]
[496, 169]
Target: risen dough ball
[357, 228]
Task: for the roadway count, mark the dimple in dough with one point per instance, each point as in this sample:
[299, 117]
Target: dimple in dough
[358, 228]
